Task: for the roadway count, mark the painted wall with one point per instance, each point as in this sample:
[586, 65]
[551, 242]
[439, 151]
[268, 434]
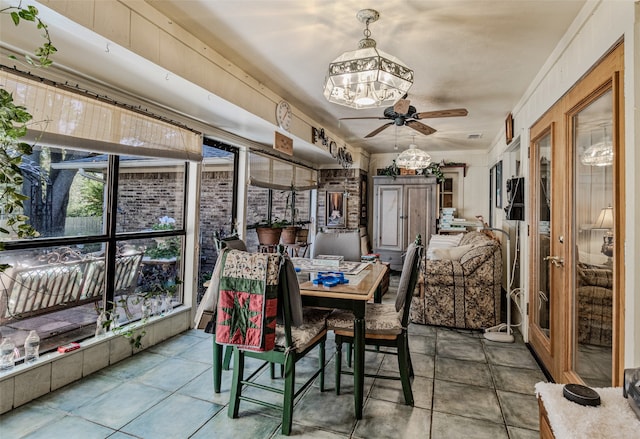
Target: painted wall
[597, 28]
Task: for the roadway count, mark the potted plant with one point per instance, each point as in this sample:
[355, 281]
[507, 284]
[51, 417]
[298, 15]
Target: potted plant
[290, 231]
[269, 232]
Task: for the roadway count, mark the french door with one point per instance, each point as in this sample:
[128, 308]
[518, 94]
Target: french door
[577, 217]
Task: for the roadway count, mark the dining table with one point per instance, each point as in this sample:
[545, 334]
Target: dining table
[352, 296]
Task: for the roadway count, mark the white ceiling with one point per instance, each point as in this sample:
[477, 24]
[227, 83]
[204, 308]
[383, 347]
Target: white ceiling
[476, 54]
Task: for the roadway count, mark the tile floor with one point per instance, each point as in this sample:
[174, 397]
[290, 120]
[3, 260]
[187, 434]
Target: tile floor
[464, 386]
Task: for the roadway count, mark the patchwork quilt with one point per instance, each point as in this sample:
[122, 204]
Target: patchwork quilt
[248, 299]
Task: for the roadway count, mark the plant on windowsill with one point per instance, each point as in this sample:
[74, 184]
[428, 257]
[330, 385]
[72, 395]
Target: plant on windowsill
[157, 301]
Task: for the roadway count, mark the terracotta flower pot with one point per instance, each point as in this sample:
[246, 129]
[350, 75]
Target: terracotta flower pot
[289, 234]
[301, 236]
[268, 235]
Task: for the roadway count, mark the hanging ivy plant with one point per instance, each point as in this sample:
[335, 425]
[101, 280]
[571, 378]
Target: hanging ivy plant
[434, 170]
[391, 171]
[13, 126]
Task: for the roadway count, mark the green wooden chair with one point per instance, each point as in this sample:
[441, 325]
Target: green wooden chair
[292, 344]
[385, 325]
[221, 363]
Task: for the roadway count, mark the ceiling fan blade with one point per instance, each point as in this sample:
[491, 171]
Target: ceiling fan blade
[402, 106]
[442, 113]
[370, 117]
[420, 127]
[378, 130]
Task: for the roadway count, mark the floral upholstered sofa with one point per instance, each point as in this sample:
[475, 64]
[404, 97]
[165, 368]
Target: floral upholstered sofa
[461, 288]
[595, 304]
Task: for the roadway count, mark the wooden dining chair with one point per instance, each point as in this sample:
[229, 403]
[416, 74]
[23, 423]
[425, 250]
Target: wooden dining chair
[385, 325]
[297, 333]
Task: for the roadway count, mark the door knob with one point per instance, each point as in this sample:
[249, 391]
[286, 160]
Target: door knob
[557, 261]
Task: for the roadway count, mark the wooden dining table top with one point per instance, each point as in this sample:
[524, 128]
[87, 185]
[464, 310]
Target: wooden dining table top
[363, 290]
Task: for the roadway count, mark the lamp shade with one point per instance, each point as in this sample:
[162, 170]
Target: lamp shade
[367, 77]
[605, 219]
[413, 158]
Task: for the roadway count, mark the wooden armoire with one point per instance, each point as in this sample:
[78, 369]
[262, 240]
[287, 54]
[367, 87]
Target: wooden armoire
[403, 207]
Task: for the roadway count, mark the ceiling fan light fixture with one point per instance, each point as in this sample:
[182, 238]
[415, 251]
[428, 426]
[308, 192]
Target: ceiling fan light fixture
[413, 158]
[367, 77]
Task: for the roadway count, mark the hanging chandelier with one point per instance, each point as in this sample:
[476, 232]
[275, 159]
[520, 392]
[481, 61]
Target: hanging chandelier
[367, 77]
[413, 158]
[599, 154]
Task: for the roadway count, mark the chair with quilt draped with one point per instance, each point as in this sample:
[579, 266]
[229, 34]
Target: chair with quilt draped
[385, 324]
[260, 314]
[232, 242]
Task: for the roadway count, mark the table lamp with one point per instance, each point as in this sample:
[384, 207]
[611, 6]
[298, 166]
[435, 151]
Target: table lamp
[605, 222]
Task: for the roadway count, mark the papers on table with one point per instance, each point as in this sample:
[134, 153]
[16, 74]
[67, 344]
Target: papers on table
[347, 267]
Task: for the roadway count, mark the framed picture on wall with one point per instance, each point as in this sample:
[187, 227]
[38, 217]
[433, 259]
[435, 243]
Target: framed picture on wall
[336, 210]
[492, 184]
[498, 183]
[508, 128]
[363, 200]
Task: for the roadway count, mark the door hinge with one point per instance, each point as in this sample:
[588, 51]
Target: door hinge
[528, 152]
[528, 229]
[527, 308]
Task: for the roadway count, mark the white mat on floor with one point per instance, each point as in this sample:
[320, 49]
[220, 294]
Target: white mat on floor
[612, 419]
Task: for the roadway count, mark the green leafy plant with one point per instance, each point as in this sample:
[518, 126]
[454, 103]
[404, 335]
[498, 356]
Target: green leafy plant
[13, 126]
[30, 13]
[274, 223]
[433, 170]
[165, 248]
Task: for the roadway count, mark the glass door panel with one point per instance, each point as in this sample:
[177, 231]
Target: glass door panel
[593, 213]
[542, 299]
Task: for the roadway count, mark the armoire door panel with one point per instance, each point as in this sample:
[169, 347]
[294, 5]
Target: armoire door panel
[417, 212]
[390, 216]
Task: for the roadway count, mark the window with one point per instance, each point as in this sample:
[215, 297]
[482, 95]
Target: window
[451, 190]
[279, 191]
[106, 190]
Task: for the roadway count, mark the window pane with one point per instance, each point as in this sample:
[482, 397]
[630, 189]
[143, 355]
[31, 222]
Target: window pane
[55, 291]
[257, 212]
[151, 194]
[65, 190]
[216, 207]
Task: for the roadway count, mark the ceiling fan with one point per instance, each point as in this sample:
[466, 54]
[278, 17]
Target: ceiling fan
[402, 113]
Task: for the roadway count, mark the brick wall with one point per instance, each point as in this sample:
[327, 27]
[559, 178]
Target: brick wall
[146, 196]
[340, 180]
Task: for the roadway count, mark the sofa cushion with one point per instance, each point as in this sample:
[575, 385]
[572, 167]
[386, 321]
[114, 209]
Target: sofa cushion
[480, 253]
[442, 241]
[453, 253]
